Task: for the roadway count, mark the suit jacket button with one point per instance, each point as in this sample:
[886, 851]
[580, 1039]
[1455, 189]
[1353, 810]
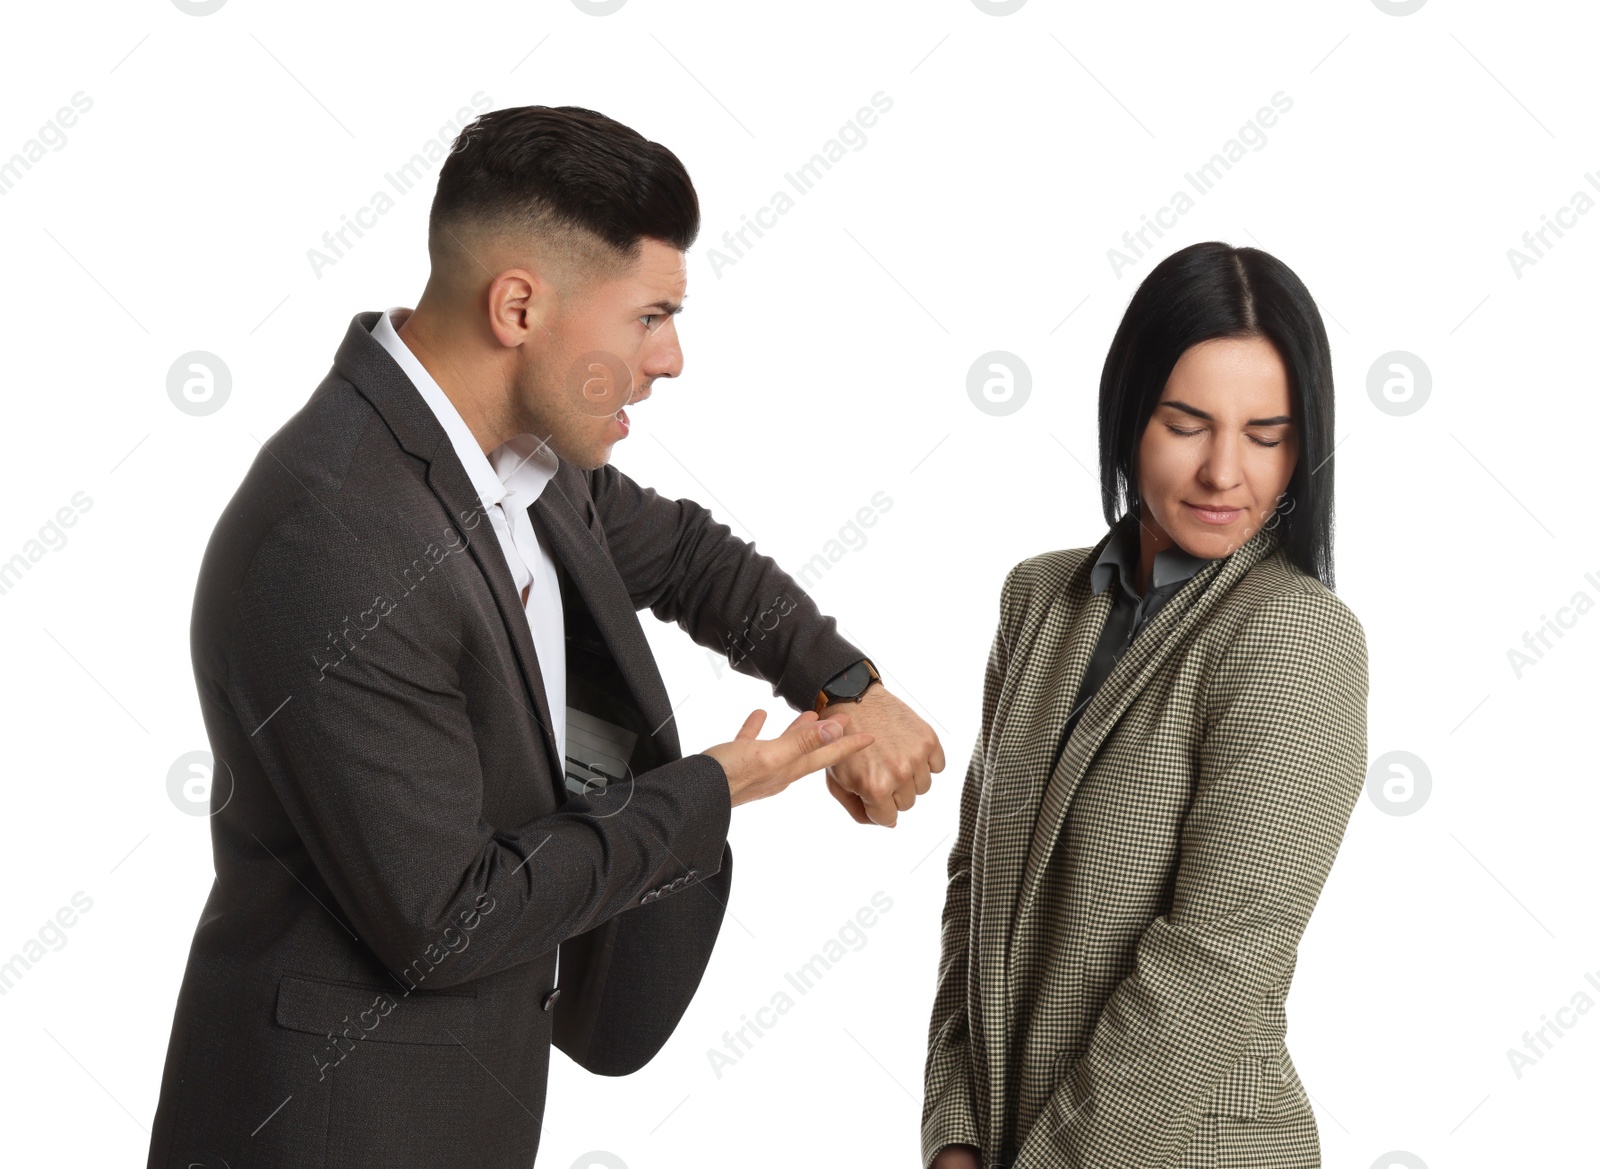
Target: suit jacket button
[550, 999]
[649, 897]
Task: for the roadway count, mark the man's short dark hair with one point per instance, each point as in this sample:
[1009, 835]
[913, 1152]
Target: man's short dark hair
[568, 175]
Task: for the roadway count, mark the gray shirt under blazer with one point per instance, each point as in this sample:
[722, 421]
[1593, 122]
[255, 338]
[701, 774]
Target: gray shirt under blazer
[1120, 928]
[373, 981]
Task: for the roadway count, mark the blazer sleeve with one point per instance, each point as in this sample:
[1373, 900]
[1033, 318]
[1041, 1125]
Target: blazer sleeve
[680, 563]
[948, 1116]
[1281, 765]
[375, 762]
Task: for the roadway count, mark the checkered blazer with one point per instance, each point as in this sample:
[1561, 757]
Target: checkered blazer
[1120, 930]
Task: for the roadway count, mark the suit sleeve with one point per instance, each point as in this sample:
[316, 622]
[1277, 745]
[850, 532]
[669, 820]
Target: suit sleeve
[947, 1099]
[1281, 765]
[680, 563]
[375, 761]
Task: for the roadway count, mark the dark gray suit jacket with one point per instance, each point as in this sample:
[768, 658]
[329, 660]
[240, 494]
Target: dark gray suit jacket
[373, 979]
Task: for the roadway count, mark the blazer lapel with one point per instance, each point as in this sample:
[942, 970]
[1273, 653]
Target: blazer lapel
[589, 567]
[1133, 671]
[364, 362]
[449, 481]
[1036, 701]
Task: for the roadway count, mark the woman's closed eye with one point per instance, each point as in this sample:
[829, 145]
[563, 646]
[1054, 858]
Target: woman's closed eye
[1191, 433]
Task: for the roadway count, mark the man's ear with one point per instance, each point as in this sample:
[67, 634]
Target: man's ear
[518, 301]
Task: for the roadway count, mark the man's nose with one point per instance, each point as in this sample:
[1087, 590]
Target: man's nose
[665, 356]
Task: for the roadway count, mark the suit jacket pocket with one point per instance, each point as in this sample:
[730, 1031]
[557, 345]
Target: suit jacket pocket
[349, 1009]
[1238, 1095]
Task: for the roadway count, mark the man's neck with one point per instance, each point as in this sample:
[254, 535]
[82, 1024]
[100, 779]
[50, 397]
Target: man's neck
[455, 371]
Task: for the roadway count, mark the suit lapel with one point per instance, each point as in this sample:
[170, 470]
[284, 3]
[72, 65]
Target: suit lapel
[364, 363]
[589, 567]
[450, 483]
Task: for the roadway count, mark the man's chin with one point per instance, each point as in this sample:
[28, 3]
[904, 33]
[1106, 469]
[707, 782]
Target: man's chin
[588, 460]
[589, 457]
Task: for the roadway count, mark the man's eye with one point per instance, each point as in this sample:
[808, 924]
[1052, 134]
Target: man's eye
[648, 318]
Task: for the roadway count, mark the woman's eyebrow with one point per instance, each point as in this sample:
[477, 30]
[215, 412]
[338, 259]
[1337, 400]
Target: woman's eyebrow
[1277, 420]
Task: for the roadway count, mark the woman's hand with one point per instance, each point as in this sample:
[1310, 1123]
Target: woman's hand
[957, 1157]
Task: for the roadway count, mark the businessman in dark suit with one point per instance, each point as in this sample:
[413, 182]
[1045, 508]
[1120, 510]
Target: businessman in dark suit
[451, 820]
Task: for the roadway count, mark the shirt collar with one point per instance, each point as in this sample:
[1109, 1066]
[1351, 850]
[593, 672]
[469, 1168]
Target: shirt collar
[517, 469]
[1121, 553]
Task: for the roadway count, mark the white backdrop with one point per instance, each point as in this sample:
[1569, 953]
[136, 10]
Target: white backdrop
[173, 209]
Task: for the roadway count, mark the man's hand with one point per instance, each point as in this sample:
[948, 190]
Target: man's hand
[876, 784]
[757, 768]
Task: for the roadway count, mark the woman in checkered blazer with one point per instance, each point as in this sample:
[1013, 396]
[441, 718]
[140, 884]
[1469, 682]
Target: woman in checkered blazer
[1173, 739]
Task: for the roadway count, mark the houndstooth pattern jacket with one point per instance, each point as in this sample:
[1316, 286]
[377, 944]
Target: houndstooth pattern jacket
[1120, 930]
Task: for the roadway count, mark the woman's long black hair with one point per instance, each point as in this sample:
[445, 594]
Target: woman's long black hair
[1205, 291]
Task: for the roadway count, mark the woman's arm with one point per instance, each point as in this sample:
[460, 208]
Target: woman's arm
[1281, 767]
[947, 1109]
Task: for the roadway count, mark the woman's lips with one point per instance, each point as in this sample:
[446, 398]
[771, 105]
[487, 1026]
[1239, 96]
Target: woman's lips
[1214, 515]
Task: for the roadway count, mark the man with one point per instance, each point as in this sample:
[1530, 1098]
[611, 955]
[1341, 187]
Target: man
[451, 820]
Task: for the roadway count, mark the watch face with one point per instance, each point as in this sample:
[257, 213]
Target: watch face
[852, 682]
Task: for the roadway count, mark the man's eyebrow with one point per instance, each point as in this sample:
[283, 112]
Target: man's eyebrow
[669, 307]
[1277, 420]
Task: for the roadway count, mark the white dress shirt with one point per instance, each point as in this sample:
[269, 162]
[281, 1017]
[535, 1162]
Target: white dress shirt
[507, 481]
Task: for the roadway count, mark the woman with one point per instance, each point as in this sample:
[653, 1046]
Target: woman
[1174, 736]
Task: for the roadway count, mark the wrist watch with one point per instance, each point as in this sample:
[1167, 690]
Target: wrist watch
[848, 685]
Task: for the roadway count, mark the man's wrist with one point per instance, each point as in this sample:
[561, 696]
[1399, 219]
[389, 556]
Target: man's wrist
[848, 685]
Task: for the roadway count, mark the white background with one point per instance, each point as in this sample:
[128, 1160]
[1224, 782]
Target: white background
[827, 364]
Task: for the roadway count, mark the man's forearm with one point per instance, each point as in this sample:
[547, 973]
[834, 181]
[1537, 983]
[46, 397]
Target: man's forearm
[688, 568]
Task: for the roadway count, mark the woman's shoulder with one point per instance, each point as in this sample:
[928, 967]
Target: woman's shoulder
[1276, 598]
[1033, 586]
[1042, 576]
[1050, 567]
